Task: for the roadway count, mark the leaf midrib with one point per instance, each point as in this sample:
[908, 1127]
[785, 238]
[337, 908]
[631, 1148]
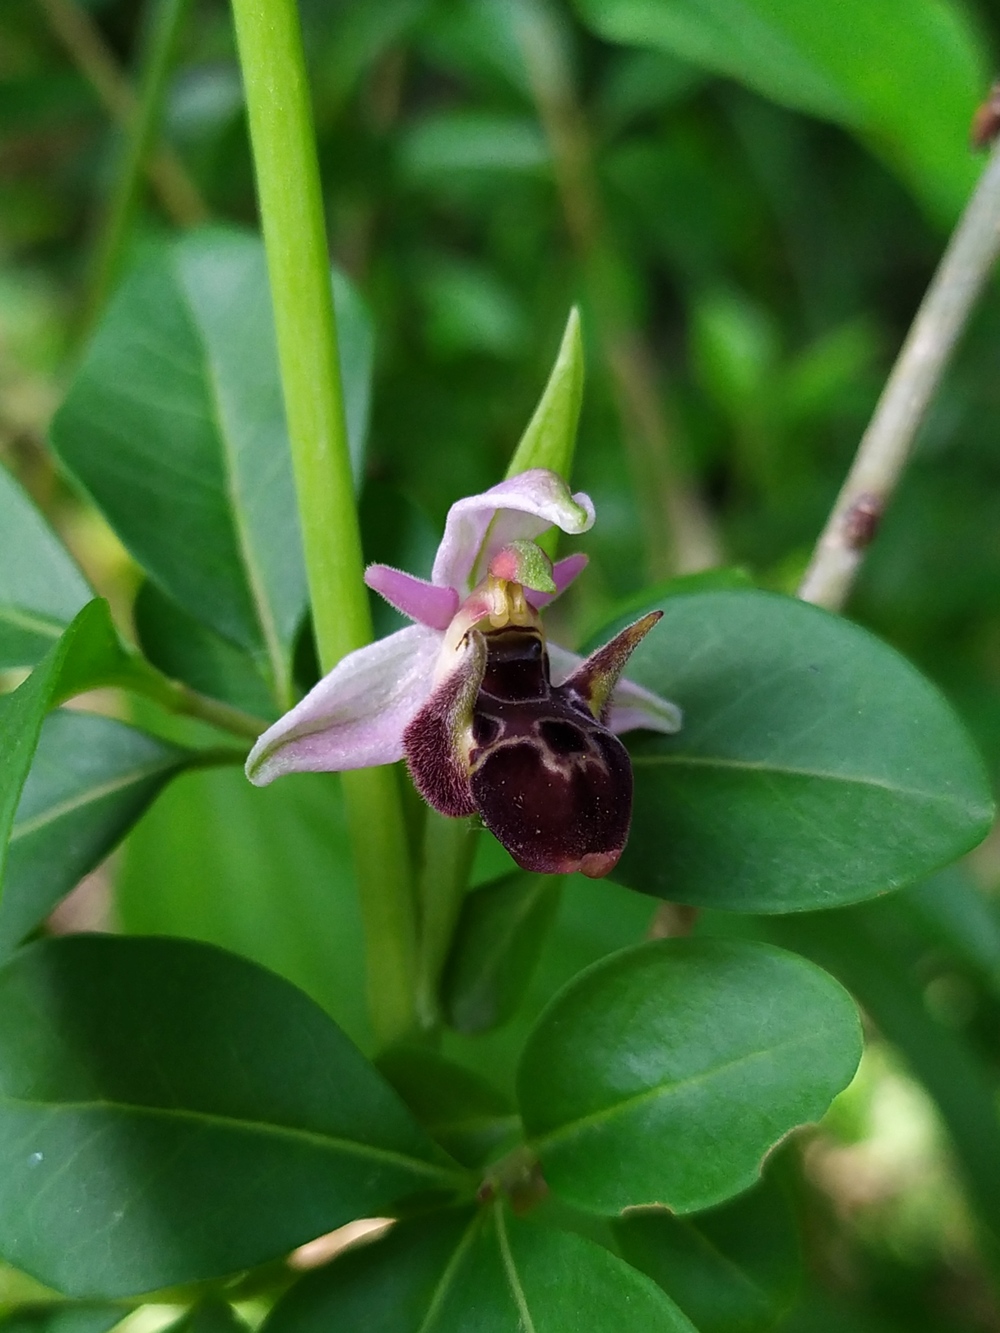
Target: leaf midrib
[664, 1091]
[92, 795]
[32, 621]
[510, 1271]
[213, 1119]
[244, 539]
[788, 770]
[449, 1273]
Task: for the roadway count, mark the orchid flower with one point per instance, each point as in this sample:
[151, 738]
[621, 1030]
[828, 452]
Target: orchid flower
[466, 694]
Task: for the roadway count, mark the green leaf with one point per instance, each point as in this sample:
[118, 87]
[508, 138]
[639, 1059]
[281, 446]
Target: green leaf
[625, 610]
[956, 916]
[265, 872]
[550, 438]
[593, 918]
[497, 944]
[450, 142]
[815, 766]
[88, 654]
[186, 649]
[852, 944]
[665, 1073]
[734, 1269]
[41, 589]
[460, 1110]
[209, 1316]
[807, 57]
[179, 436]
[482, 1271]
[63, 1317]
[90, 780]
[170, 1113]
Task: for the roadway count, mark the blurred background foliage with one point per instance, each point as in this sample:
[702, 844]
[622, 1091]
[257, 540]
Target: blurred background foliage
[747, 200]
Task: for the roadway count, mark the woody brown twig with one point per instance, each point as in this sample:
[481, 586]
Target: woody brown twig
[888, 442]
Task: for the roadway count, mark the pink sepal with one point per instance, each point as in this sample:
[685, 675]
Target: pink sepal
[426, 603]
[563, 573]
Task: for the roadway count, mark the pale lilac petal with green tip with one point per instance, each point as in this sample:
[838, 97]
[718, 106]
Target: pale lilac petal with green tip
[523, 507]
[356, 715]
[632, 707]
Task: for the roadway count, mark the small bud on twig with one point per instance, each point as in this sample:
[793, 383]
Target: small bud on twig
[861, 522]
[986, 121]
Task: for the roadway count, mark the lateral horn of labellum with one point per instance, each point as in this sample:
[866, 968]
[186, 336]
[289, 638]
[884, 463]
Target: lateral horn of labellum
[549, 779]
[594, 682]
[437, 741]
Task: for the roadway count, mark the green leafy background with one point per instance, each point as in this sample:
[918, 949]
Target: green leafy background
[767, 186]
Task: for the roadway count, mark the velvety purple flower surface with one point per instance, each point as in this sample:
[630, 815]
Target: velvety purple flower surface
[466, 694]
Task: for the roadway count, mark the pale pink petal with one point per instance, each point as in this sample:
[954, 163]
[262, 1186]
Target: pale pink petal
[563, 573]
[355, 716]
[424, 602]
[523, 507]
[632, 707]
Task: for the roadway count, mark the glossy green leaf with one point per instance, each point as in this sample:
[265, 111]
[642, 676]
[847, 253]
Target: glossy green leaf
[450, 142]
[498, 941]
[88, 654]
[477, 1271]
[63, 1317]
[90, 780]
[459, 1109]
[860, 946]
[170, 1112]
[179, 436]
[734, 1269]
[593, 918]
[263, 871]
[807, 57]
[41, 588]
[956, 915]
[209, 1316]
[815, 766]
[186, 649]
[665, 1073]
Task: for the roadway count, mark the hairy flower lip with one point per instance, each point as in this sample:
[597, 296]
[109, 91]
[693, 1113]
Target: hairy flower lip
[365, 710]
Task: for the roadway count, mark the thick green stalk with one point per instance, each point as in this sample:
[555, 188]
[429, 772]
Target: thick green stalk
[165, 23]
[291, 209]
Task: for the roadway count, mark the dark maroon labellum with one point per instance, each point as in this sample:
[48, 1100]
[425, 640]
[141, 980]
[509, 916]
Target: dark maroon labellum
[547, 776]
[552, 783]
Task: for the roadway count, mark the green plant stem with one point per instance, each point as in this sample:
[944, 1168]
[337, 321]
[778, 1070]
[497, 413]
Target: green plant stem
[82, 38]
[449, 846]
[291, 209]
[909, 391]
[181, 699]
[166, 21]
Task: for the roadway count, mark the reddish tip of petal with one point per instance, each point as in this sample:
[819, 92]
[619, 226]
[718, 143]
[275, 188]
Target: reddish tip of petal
[595, 865]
